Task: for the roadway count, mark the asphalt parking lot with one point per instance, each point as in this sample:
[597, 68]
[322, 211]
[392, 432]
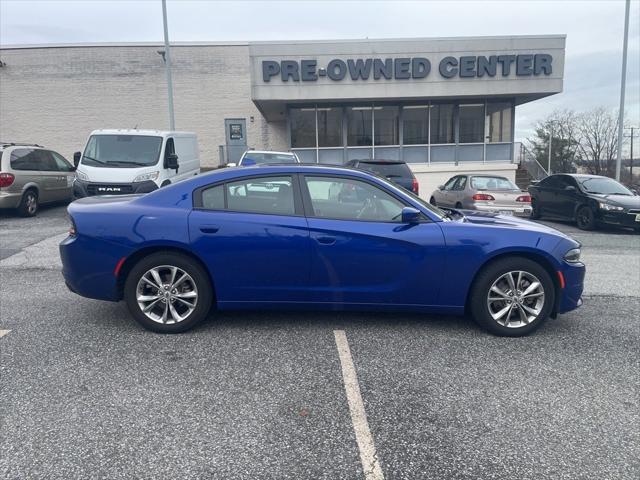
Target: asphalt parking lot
[85, 392]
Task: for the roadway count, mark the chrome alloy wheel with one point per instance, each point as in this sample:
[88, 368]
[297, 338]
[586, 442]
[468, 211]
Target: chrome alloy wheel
[515, 299]
[166, 294]
[32, 203]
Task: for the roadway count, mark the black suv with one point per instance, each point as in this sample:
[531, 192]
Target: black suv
[589, 200]
[394, 170]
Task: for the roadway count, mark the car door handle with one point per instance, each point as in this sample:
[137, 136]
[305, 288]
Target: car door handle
[209, 229]
[326, 240]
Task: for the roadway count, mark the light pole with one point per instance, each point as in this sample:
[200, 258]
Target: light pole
[550, 142]
[167, 66]
[622, 87]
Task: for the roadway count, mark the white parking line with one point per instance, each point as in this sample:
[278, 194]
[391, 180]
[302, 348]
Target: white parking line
[368, 455]
[4, 332]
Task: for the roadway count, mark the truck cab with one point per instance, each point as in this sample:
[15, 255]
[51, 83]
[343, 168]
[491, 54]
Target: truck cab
[116, 162]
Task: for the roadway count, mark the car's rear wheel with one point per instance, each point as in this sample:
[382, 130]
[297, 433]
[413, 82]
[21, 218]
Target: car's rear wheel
[29, 204]
[432, 201]
[458, 205]
[585, 218]
[535, 210]
[168, 292]
[512, 297]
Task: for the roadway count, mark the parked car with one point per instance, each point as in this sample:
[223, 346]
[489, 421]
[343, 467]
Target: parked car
[488, 193]
[274, 237]
[589, 200]
[116, 162]
[31, 175]
[260, 157]
[396, 171]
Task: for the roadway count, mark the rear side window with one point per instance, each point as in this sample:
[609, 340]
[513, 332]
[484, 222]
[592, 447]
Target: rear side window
[26, 159]
[269, 195]
[389, 170]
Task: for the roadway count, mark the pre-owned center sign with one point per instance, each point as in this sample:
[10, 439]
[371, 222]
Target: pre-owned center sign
[404, 68]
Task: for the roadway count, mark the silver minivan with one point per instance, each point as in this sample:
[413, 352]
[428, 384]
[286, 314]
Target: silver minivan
[31, 175]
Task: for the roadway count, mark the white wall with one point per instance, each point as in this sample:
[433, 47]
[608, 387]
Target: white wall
[431, 176]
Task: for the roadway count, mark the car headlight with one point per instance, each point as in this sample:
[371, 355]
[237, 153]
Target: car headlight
[609, 207]
[82, 176]
[146, 176]
[572, 256]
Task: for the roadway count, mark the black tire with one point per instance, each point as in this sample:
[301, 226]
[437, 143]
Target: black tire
[198, 276]
[478, 300]
[29, 204]
[458, 205]
[535, 210]
[165, 183]
[585, 218]
[432, 201]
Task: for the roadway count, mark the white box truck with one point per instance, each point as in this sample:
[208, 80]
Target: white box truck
[116, 162]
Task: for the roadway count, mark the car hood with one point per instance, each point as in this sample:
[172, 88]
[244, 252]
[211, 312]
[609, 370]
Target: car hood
[626, 201]
[494, 219]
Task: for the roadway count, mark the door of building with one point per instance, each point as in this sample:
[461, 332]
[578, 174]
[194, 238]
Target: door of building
[236, 138]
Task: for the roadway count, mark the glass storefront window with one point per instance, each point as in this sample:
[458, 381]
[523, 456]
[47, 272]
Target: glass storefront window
[442, 123]
[359, 126]
[471, 123]
[303, 127]
[329, 127]
[499, 122]
[415, 125]
[386, 125]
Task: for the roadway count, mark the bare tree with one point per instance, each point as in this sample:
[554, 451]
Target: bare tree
[560, 126]
[597, 141]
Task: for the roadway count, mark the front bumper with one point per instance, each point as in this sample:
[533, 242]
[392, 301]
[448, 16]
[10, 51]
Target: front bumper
[10, 200]
[518, 210]
[619, 219]
[571, 294]
[83, 189]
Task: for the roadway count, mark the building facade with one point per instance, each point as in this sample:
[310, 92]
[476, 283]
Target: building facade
[443, 105]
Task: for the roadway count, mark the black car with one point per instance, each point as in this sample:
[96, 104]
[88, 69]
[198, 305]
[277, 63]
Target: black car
[589, 200]
[394, 170]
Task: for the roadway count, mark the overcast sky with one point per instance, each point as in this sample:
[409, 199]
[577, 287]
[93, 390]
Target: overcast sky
[594, 32]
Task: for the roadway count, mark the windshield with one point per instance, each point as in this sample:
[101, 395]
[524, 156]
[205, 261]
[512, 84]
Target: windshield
[126, 151]
[492, 183]
[254, 158]
[389, 170]
[604, 186]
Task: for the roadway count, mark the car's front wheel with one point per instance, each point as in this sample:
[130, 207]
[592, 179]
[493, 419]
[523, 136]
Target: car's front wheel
[585, 218]
[512, 297]
[168, 292]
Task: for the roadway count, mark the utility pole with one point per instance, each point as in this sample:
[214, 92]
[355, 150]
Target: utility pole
[622, 88]
[550, 141]
[167, 66]
[631, 154]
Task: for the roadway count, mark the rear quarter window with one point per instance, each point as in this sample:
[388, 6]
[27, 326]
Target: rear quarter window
[25, 159]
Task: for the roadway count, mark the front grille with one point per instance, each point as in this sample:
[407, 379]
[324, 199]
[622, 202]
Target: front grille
[101, 189]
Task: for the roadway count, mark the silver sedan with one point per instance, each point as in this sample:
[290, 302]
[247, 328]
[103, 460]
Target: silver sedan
[489, 193]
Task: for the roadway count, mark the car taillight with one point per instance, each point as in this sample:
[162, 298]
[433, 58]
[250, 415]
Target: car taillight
[483, 196]
[6, 179]
[415, 187]
[524, 198]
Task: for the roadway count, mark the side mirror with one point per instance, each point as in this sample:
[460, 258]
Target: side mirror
[231, 164]
[76, 158]
[172, 162]
[440, 187]
[410, 215]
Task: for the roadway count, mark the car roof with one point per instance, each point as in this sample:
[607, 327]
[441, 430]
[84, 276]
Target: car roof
[134, 131]
[268, 151]
[4, 145]
[376, 160]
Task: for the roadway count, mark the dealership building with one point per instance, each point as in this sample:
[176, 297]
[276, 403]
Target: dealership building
[443, 105]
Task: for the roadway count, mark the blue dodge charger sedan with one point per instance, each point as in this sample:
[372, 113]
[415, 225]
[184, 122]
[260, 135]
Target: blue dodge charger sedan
[314, 237]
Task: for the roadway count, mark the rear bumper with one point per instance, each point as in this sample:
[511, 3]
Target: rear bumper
[10, 200]
[518, 210]
[88, 267]
[83, 189]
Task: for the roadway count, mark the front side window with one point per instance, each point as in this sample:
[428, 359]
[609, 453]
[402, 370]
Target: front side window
[350, 199]
[61, 163]
[128, 151]
[461, 183]
[271, 195]
[450, 183]
[471, 121]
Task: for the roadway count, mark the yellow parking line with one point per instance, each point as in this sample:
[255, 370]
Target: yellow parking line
[364, 439]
